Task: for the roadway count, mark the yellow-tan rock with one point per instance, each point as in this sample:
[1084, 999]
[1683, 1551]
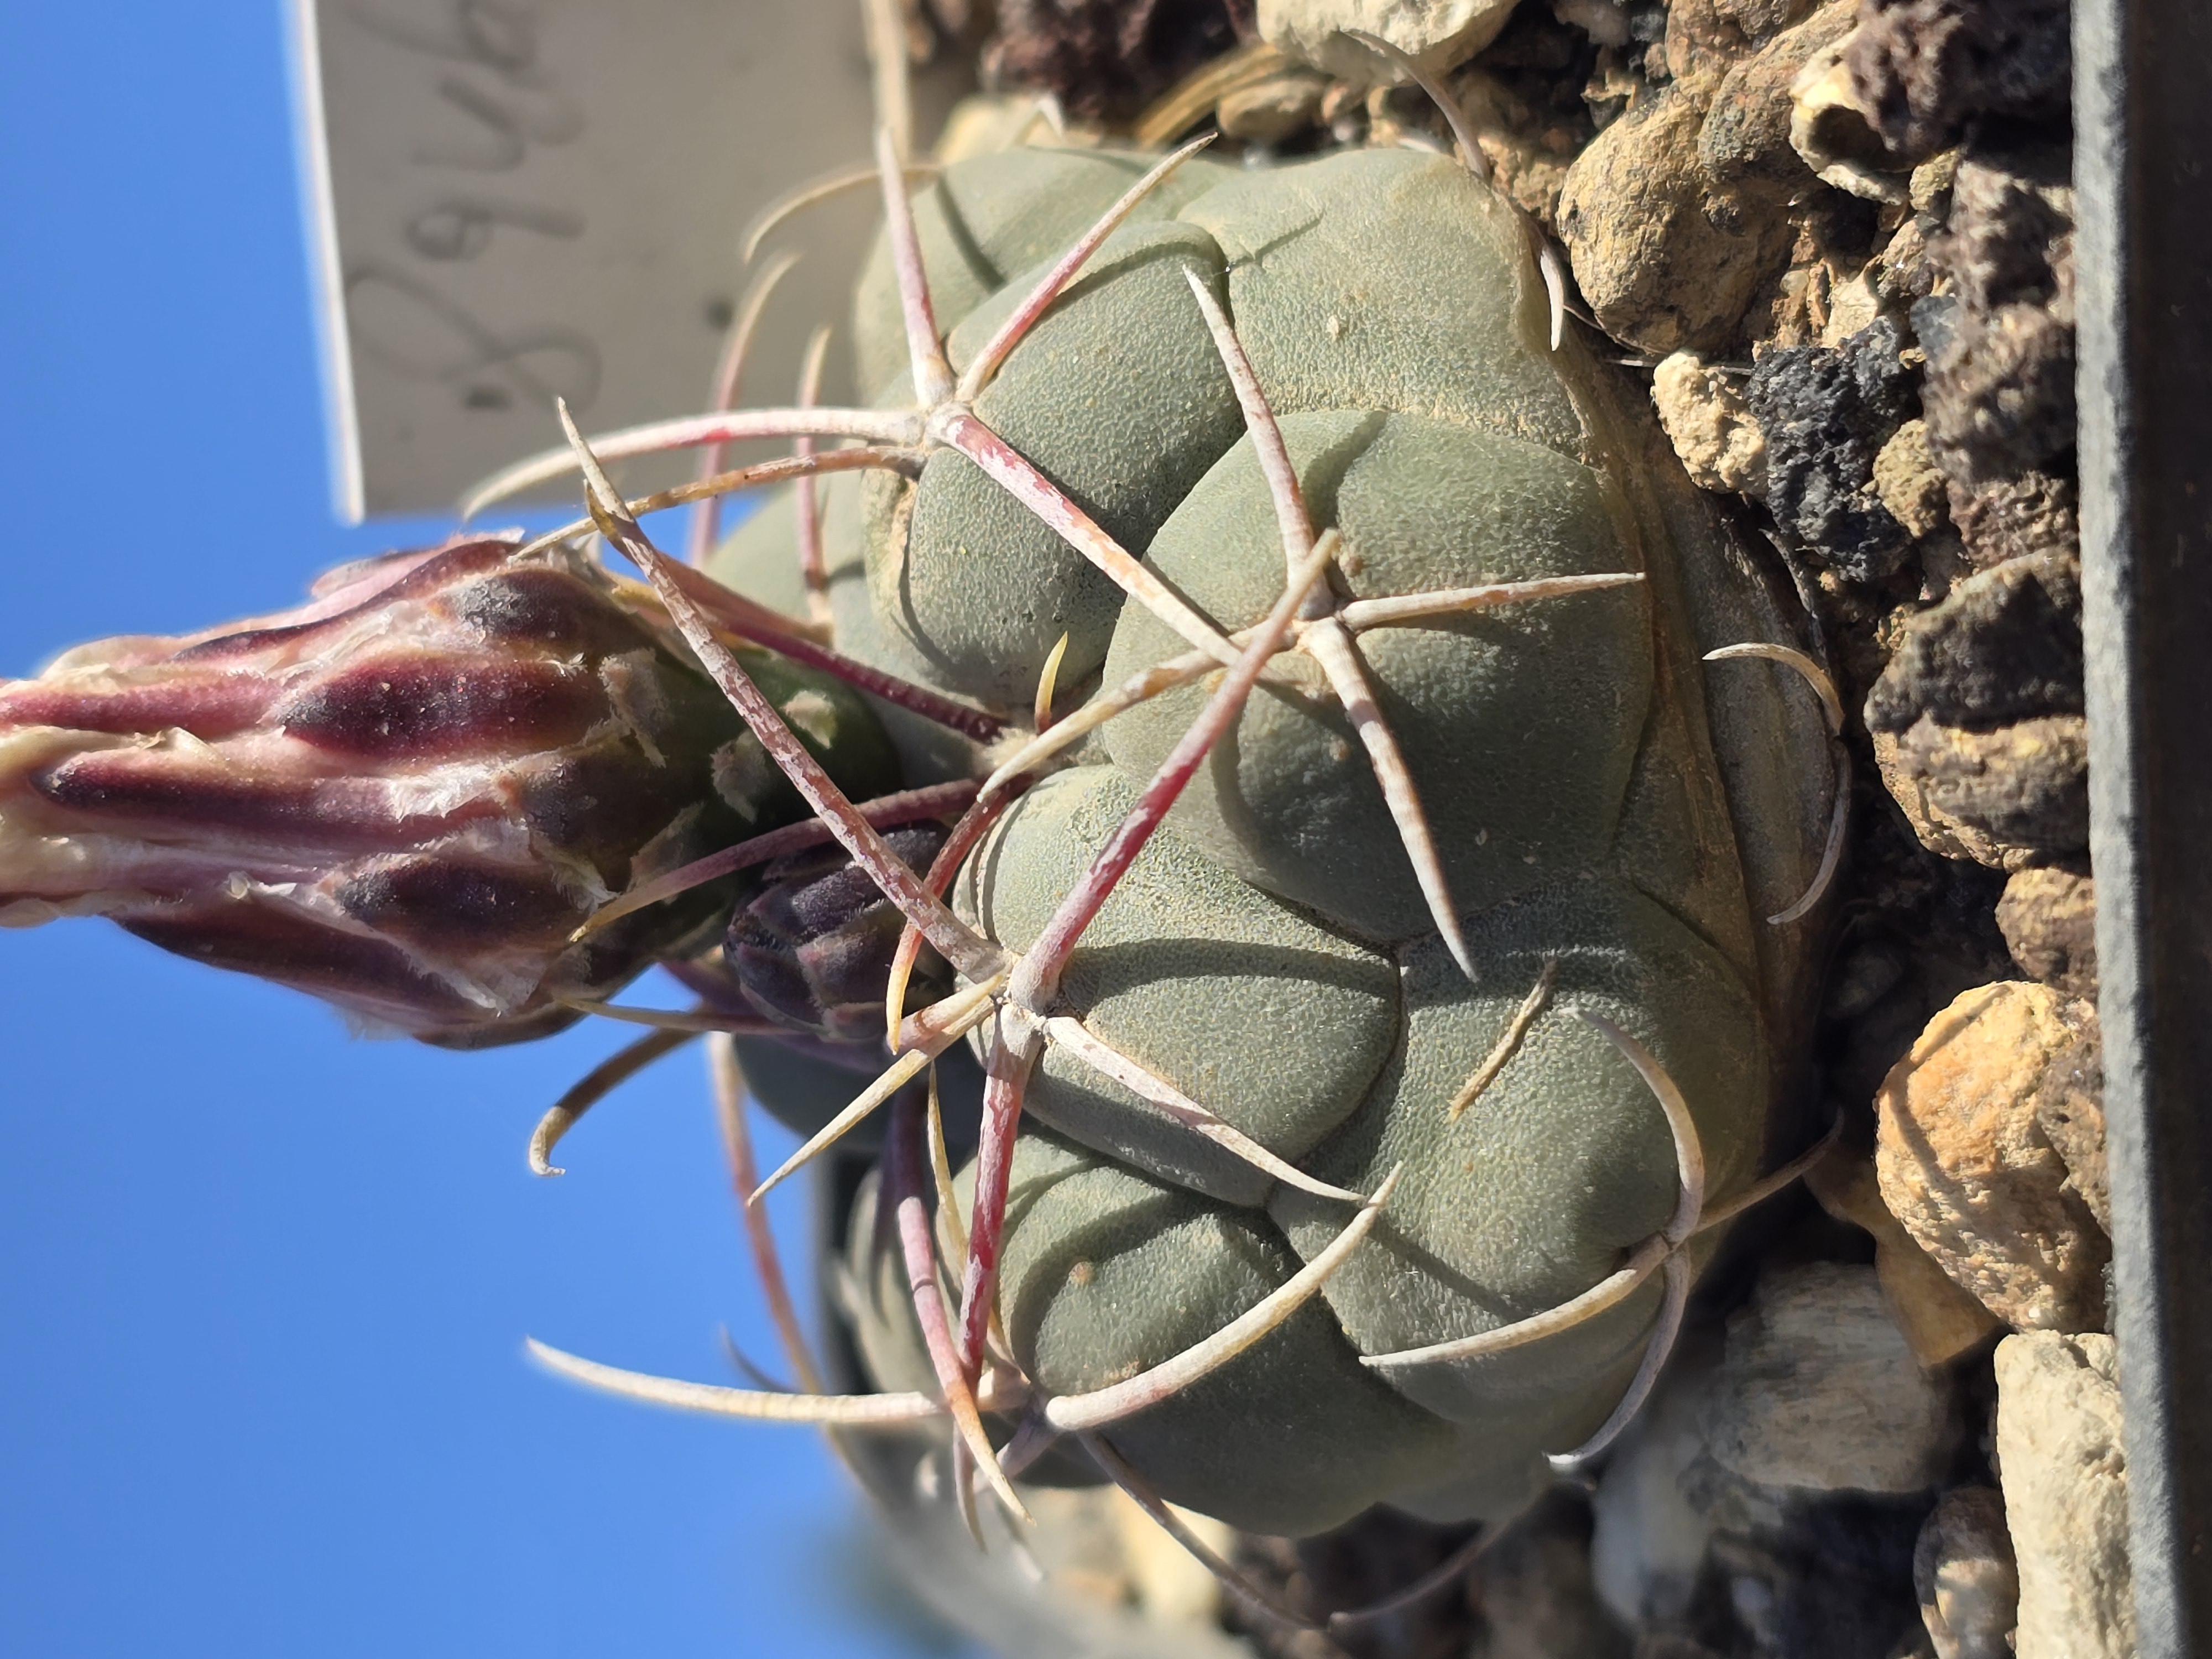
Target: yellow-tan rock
[1940, 1318]
[1667, 257]
[1966, 1166]
[1711, 428]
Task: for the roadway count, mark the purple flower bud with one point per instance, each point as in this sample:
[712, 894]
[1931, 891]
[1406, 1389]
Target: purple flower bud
[810, 941]
[408, 794]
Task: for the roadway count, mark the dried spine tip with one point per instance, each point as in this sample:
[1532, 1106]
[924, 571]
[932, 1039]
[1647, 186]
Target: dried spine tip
[593, 1087]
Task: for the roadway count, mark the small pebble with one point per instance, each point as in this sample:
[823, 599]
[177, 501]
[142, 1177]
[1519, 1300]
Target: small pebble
[2005, 646]
[1939, 1318]
[1833, 130]
[1437, 34]
[2049, 919]
[1910, 482]
[1701, 408]
[1705, 39]
[1745, 137]
[2010, 798]
[1964, 1570]
[1666, 259]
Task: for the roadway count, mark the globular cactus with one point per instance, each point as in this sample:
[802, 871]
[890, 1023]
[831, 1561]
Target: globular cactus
[1384, 938]
[1387, 934]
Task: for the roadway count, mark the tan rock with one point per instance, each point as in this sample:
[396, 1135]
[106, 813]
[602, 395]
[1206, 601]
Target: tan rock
[1667, 258]
[2064, 1472]
[1271, 110]
[1745, 140]
[2010, 798]
[1437, 34]
[1819, 1390]
[1966, 1167]
[2069, 1110]
[1910, 482]
[1703, 411]
[1854, 306]
[2049, 919]
[1831, 131]
[1968, 1582]
[1706, 38]
[1940, 1318]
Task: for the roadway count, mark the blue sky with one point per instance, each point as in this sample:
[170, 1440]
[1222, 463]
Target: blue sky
[261, 1382]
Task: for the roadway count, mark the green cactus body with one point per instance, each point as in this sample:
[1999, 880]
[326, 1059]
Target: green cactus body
[1605, 809]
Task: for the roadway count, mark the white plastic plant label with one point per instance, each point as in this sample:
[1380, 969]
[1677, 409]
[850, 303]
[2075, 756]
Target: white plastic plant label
[513, 200]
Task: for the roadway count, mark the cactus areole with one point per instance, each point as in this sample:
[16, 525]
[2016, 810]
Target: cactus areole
[1380, 930]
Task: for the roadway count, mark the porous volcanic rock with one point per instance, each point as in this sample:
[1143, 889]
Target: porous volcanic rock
[1826, 412]
[1923, 68]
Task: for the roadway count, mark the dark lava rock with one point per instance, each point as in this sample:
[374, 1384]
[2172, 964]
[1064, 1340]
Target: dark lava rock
[1105, 59]
[2032, 516]
[2001, 356]
[1826, 412]
[2005, 646]
[1923, 68]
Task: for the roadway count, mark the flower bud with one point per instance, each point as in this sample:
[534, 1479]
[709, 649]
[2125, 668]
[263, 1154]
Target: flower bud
[809, 943]
[408, 794]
